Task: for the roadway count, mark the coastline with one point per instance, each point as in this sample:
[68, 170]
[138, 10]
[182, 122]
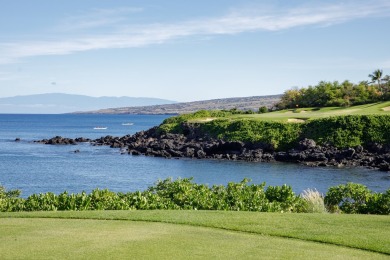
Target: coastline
[192, 145]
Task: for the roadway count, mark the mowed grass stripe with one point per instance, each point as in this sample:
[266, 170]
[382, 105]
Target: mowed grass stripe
[107, 239]
[380, 108]
[366, 232]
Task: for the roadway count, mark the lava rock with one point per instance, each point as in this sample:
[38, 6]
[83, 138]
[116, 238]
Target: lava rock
[306, 144]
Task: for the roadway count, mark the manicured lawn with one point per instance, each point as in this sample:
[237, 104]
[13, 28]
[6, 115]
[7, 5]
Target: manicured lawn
[308, 113]
[192, 234]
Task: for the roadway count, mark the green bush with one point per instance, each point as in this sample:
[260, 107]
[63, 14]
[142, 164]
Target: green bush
[349, 131]
[279, 135]
[379, 203]
[356, 198]
[339, 131]
[9, 200]
[328, 94]
[185, 194]
[41, 202]
[285, 197]
[166, 194]
[263, 110]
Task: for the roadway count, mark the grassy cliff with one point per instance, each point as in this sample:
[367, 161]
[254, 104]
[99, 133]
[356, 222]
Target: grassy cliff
[340, 127]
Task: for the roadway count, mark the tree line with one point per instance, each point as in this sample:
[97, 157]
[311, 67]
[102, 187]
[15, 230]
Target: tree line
[326, 94]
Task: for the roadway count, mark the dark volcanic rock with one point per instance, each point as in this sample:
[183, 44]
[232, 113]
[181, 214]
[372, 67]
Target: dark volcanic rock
[306, 144]
[194, 144]
[189, 152]
[359, 149]
[58, 140]
[134, 152]
[374, 147]
[82, 140]
[316, 157]
[200, 154]
[385, 166]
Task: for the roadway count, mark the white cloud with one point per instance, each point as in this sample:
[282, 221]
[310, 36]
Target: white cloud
[97, 18]
[129, 36]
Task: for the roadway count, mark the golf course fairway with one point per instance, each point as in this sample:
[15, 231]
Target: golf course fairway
[191, 234]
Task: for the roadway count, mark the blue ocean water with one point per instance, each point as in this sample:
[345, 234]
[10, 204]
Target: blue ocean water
[38, 168]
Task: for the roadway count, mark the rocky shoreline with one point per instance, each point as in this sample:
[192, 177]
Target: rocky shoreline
[191, 145]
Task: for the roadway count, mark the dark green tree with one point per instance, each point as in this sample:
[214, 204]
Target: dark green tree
[263, 109]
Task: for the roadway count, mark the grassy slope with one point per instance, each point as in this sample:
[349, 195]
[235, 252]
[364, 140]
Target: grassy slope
[265, 234]
[309, 113]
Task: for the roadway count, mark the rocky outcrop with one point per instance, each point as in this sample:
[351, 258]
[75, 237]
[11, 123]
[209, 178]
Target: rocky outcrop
[330, 156]
[58, 140]
[194, 145]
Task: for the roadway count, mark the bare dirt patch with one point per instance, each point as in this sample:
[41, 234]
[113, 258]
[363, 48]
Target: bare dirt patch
[208, 119]
[386, 109]
[295, 120]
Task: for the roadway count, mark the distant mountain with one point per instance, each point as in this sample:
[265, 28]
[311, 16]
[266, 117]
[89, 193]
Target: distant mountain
[56, 103]
[242, 103]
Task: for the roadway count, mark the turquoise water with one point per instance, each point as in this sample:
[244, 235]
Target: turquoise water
[36, 168]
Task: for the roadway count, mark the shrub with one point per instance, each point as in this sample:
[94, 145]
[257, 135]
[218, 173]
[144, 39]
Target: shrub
[279, 135]
[9, 200]
[241, 196]
[349, 198]
[41, 202]
[379, 203]
[330, 94]
[284, 196]
[314, 201]
[356, 198]
[349, 131]
[185, 194]
[263, 110]
[339, 131]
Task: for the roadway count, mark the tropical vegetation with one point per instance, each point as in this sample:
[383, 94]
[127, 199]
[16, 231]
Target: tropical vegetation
[184, 194]
[339, 131]
[328, 94]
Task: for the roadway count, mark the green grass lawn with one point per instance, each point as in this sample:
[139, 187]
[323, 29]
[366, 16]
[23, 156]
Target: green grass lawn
[309, 113]
[291, 115]
[192, 234]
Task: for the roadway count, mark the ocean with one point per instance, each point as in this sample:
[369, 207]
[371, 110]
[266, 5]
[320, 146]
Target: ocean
[39, 168]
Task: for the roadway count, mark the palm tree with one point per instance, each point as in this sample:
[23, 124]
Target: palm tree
[386, 85]
[386, 78]
[377, 76]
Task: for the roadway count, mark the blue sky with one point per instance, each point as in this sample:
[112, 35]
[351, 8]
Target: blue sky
[188, 50]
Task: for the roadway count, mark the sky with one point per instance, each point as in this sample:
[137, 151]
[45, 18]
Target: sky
[188, 50]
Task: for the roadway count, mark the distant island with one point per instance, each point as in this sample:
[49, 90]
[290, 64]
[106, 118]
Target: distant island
[58, 103]
[241, 103]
